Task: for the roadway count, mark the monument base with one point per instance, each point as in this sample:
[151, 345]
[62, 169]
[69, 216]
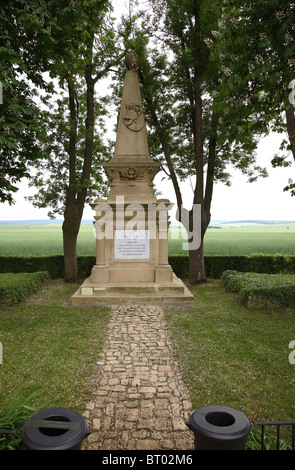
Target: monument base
[173, 293]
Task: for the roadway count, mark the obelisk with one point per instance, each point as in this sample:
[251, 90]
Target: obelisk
[131, 169]
[132, 224]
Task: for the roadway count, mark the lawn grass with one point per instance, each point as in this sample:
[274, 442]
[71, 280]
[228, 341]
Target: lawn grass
[235, 357]
[51, 347]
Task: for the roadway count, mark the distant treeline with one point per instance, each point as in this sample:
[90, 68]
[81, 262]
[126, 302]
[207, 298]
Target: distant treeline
[262, 222]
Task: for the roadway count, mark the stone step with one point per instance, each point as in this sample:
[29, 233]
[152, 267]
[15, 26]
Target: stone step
[141, 289]
[115, 298]
[174, 292]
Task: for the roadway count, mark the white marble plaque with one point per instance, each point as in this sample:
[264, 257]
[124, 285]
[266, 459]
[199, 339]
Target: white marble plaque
[132, 244]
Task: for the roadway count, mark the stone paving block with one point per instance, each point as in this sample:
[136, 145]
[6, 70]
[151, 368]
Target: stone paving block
[139, 401]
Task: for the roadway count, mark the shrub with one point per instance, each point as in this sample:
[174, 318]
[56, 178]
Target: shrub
[262, 289]
[31, 264]
[54, 264]
[179, 264]
[15, 287]
[216, 265]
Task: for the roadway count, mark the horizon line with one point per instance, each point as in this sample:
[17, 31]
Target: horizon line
[173, 221]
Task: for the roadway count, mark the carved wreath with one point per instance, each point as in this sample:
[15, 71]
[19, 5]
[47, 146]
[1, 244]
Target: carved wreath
[131, 173]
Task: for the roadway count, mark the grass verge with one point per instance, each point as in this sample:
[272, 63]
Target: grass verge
[51, 347]
[235, 357]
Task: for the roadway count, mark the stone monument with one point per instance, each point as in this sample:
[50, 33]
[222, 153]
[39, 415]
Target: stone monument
[132, 224]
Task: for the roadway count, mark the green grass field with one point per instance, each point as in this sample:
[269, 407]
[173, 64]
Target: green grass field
[272, 239]
[34, 239]
[231, 239]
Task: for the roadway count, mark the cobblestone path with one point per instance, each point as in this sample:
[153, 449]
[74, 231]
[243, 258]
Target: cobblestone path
[140, 401]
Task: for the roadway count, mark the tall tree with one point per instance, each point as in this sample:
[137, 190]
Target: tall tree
[82, 53]
[190, 132]
[22, 44]
[256, 44]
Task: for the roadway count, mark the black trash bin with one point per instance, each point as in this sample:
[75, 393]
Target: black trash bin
[219, 428]
[55, 429]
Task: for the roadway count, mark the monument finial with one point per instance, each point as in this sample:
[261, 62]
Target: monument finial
[131, 61]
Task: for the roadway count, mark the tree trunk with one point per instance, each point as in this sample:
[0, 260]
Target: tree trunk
[290, 117]
[197, 273]
[70, 230]
[71, 225]
[75, 200]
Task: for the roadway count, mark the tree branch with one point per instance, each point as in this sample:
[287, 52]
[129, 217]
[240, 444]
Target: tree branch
[108, 67]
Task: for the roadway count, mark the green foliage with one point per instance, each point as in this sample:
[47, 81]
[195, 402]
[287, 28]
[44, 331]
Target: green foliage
[54, 265]
[254, 287]
[51, 177]
[31, 264]
[256, 51]
[179, 264]
[269, 441]
[171, 74]
[14, 412]
[15, 287]
[215, 265]
[56, 39]
[72, 154]
[20, 128]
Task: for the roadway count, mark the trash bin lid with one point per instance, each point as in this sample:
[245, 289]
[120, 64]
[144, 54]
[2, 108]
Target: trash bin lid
[54, 429]
[221, 421]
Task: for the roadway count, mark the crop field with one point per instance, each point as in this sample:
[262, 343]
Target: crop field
[243, 239]
[27, 239]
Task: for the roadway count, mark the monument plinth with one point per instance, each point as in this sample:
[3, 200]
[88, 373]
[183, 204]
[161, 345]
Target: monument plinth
[132, 224]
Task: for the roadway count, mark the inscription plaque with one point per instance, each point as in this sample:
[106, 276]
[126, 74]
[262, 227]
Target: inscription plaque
[132, 244]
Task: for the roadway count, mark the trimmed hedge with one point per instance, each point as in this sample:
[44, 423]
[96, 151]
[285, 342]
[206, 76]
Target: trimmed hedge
[256, 289]
[31, 264]
[15, 287]
[215, 265]
[54, 264]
